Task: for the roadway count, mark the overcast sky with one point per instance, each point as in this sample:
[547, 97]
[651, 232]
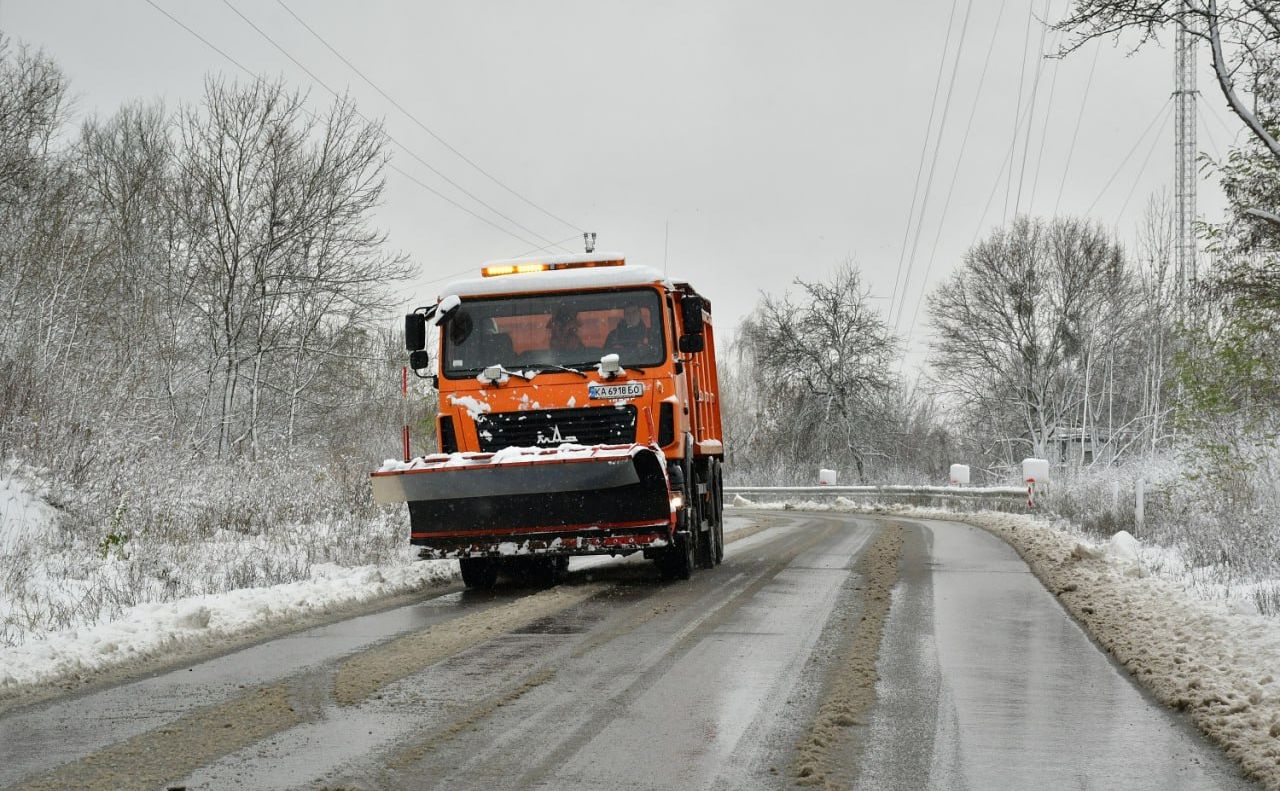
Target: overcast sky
[739, 144]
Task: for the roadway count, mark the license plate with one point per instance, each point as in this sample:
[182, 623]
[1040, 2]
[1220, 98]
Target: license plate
[628, 390]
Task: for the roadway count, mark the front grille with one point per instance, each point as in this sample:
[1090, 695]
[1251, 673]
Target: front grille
[548, 428]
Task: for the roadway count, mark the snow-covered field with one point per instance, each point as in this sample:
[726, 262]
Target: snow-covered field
[158, 630]
[1216, 658]
[168, 572]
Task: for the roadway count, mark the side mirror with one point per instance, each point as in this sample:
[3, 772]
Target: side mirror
[446, 308]
[415, 332]
[419, 359]
[692, 344]
[691, 316]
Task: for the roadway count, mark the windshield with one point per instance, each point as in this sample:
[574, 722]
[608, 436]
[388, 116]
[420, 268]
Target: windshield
[570, 330]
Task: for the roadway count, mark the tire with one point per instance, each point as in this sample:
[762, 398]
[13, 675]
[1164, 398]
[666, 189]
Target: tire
[542, 573]
[717, 509]
[479, 573]
[536, 572]
[703, 530]
[676, 563]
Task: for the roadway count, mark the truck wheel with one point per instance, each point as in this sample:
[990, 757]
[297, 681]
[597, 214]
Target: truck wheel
[705, 548]
[548, 572]
[676, 563]
[541, 572]
[717, 505]
[480, 573]
[536, 572]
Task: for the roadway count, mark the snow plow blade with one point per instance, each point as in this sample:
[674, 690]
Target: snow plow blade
[564, 500]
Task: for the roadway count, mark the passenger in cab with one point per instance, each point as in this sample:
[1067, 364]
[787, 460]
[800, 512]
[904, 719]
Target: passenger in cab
[564, 330]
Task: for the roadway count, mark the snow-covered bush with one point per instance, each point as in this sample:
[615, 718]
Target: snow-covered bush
[1222, 536]
[159, 531]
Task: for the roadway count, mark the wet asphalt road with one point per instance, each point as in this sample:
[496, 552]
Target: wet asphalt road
[618, 680]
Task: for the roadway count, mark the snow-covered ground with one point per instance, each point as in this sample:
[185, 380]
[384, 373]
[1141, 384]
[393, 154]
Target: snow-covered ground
[77, 599]
[1217, 659]
[25, 515]
[151, 631]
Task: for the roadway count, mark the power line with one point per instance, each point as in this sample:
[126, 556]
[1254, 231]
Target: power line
[461, 272]
[452, 202]
[396, 142]
[1017, 110]
[924, 150]
[995, 185]
[1142, 169]
[449, 276]
[419, 122]
[206, 41]
[1035, 92]
[1159, 114]
[1208, 133]
[924, 202]
[390, 166]
[1079, 117]
[1235, 136]
[1044, 129]
[560, 243]
[955, 173]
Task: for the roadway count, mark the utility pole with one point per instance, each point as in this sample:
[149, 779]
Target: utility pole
[1184, 97]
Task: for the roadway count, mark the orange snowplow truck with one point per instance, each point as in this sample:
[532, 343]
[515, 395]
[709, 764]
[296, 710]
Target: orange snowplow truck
[579, 415]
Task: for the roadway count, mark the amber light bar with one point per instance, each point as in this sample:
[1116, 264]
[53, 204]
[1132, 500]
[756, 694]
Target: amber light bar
[520, 269]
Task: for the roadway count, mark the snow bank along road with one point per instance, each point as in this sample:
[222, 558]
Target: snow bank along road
[759, 674]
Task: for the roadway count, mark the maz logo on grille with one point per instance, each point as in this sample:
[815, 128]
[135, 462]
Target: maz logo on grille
[555, 437]
[611, 425]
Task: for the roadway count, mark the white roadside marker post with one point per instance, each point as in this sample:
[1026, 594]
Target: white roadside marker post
[1035, 472]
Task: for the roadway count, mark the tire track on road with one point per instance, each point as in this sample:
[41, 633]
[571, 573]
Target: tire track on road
[365, 673]
[794, 543]
[155, 758]
[850, 691]
[176, 749]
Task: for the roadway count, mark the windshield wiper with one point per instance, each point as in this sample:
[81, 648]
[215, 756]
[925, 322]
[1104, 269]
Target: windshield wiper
[621, 366]
[502, 372]
[543, 367]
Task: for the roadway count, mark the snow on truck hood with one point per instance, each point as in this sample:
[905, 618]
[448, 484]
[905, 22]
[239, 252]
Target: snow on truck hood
[557, 279]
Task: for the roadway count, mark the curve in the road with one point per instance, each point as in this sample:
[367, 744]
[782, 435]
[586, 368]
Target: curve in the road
[619, 680]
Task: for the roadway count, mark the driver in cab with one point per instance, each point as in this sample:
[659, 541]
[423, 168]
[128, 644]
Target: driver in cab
[631, 334]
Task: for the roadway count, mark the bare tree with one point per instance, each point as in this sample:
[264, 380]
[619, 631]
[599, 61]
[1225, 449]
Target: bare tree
[275, 207]
[41, 252]
[821, 367]
[33, 105]
[1019, 328]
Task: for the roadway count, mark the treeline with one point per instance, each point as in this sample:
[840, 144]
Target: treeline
[196, 284]
[1049, 339]
[1052, 338]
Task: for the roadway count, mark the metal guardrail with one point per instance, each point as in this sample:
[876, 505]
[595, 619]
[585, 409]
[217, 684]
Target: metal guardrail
[1006, 496]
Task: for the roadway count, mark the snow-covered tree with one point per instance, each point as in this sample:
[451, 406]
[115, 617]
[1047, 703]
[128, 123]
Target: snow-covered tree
[1021, 326]
[820, 367]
